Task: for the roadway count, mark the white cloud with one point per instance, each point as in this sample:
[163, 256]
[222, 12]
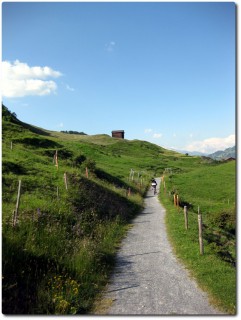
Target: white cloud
[21, 88]
[110, 46]
[153, 134]
[19, 80]
[148, 130]
[212, 144]
[157, 135]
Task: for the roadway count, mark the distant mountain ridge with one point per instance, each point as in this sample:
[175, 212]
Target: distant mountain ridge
[191, 153]
[218, 155]
[224, 155]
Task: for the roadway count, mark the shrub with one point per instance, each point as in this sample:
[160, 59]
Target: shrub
[78, 160]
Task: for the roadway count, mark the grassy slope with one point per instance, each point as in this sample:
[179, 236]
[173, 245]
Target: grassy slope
[212, 188]
[59, 256]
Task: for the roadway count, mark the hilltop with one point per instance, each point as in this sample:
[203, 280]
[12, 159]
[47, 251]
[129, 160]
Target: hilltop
[109, 153]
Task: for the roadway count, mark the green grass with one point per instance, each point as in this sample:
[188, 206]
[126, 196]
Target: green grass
[214, 270]
[67, 239]
[210, 187]
[59, 256]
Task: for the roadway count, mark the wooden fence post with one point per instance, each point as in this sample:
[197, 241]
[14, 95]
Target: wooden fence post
[200, 232]
[15, 212]
[55, 160]
[130, 176]
[174, 199]
[65, 181]
[129, 192]
[186, 217]
[86, 172]
[14, 218]
[178, 202]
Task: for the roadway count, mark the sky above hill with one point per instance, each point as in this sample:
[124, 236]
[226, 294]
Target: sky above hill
[163, 71]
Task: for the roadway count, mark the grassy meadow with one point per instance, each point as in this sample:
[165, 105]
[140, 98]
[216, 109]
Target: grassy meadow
[211, 188]
[58, 256]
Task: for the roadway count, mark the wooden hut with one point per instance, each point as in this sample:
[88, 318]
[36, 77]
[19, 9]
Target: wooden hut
[118, 134]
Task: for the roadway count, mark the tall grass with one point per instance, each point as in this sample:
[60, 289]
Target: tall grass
[60, 254]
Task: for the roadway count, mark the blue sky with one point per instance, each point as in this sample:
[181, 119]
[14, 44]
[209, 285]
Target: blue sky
[164, 72]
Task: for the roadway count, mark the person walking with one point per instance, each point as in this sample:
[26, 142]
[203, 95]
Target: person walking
[154, 184]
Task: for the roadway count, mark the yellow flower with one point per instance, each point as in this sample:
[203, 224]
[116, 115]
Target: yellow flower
[76, 290]
[63, 306]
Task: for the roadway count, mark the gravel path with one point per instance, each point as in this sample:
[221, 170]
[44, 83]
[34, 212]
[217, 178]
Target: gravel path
[148, 279]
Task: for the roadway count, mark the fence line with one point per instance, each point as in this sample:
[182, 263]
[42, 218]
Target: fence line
[15, 212]
[176, 202]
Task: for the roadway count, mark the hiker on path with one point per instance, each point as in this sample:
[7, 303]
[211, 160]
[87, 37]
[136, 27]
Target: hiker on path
[154, 184]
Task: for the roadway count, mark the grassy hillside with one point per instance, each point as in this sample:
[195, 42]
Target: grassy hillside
[58, 256]
[211, 188]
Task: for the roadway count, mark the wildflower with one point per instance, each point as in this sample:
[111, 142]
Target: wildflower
[76, 290]
[63, 306]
